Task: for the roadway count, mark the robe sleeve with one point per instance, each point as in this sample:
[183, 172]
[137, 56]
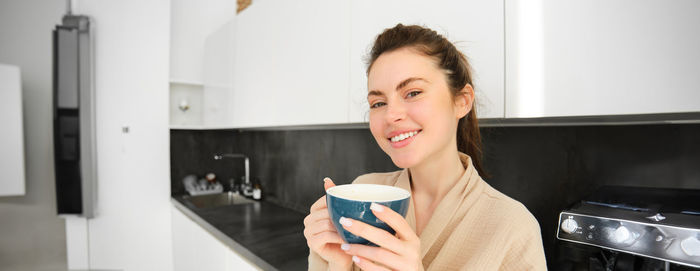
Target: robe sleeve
[526, 251]
[316, 263]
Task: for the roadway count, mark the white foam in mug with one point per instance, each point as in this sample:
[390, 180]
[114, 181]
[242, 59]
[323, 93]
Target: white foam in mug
[368, 192]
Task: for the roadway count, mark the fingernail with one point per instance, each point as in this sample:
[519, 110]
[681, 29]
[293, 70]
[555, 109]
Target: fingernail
[345, 222]
[326, 179]
[376, 207]
[345, 247]
[356, 259]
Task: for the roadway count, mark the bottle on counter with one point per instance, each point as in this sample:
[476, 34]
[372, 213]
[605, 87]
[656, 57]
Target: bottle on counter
[257, 190]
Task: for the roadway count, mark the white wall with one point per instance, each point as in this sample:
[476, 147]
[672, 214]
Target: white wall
[131, 229]
[12, 182]
[32, 237]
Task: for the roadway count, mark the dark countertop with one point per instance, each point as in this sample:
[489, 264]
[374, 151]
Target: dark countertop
[264, 233]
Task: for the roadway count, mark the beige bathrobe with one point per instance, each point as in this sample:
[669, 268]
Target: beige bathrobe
[474, 227]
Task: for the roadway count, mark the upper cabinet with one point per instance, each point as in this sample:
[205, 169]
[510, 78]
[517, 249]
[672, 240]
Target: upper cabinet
[474, 26]
[218, 77]
[581, 58]
[291, 64]
[303, 63]
[191, 22]
[201, 63]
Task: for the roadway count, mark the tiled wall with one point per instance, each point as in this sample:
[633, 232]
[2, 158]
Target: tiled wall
[545, 168]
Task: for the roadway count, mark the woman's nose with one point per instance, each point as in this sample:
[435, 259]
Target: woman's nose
[396, 111]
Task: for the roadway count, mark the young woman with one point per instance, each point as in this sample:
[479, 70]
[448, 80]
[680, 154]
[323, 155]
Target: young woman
[422, 115]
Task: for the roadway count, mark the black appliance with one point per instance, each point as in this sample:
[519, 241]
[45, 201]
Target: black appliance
[653, 223]
[74, 117]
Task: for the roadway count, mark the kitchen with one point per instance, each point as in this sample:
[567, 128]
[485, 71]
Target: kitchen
[177, 82]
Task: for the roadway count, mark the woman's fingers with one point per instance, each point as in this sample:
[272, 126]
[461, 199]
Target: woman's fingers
[401, 252]
[319, 204]
[328, 183]
[318, 227]
[366, 264]
[316, 216]
[321, 226]
[324, 238]
[376, 254]
[373, 234]
[395, 221]
[319, 210]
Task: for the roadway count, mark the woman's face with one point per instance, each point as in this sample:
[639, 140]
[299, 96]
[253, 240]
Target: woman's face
[413, 115]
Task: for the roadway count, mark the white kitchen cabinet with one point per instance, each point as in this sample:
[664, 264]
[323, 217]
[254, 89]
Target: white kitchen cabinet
[218, 76]
[199, 48]
[191, 23]
[475, 26]
[291, 63]
[12, 139]
[196, 249]
[582, 57]
[301, 63]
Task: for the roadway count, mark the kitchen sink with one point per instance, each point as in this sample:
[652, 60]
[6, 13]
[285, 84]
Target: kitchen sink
[220, 199]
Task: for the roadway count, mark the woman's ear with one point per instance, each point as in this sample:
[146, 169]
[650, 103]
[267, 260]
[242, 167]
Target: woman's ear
[464, 100]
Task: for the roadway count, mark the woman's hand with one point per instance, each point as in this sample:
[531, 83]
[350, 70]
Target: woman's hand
[321, 235]
[400, 252]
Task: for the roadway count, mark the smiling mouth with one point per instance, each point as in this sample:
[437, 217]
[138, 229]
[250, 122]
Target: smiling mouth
[404, 136]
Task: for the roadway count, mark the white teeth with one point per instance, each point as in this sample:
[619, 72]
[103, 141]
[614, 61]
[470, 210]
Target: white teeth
[403, 136]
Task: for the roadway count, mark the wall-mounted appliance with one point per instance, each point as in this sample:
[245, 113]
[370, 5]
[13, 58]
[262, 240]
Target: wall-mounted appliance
[74, 117]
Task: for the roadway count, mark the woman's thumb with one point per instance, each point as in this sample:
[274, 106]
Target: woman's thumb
[327, 183]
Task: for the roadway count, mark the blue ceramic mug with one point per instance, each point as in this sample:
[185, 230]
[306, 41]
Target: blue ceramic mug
[353, 201]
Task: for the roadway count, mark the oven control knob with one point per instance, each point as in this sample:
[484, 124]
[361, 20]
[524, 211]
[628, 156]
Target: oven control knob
[569, 225]
[691, 246]
[621, 234]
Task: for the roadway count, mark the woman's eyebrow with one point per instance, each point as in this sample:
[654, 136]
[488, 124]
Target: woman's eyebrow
[408, 81]
[401, 85]
[374, 93]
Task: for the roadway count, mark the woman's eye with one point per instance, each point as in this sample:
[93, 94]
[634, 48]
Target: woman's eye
[377, 104]
[412, 94]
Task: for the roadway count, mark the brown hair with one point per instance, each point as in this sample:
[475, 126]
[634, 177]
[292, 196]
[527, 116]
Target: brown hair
[456, 68]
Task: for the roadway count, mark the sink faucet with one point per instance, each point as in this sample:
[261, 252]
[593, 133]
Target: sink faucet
[247, 186]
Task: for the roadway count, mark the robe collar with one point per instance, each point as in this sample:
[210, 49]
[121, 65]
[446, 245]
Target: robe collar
[447, 207]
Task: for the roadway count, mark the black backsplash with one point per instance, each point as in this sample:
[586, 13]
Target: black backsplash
[290, 165]
[545, 168]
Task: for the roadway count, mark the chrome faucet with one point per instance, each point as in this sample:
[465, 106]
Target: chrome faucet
[247, 186]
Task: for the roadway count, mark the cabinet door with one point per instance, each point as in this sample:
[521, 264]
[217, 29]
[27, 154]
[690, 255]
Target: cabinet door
[196, 249]
[191, 22]
[474, 26]
[582, 57]
[218, 79]
[291, 63]
[235, 262]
